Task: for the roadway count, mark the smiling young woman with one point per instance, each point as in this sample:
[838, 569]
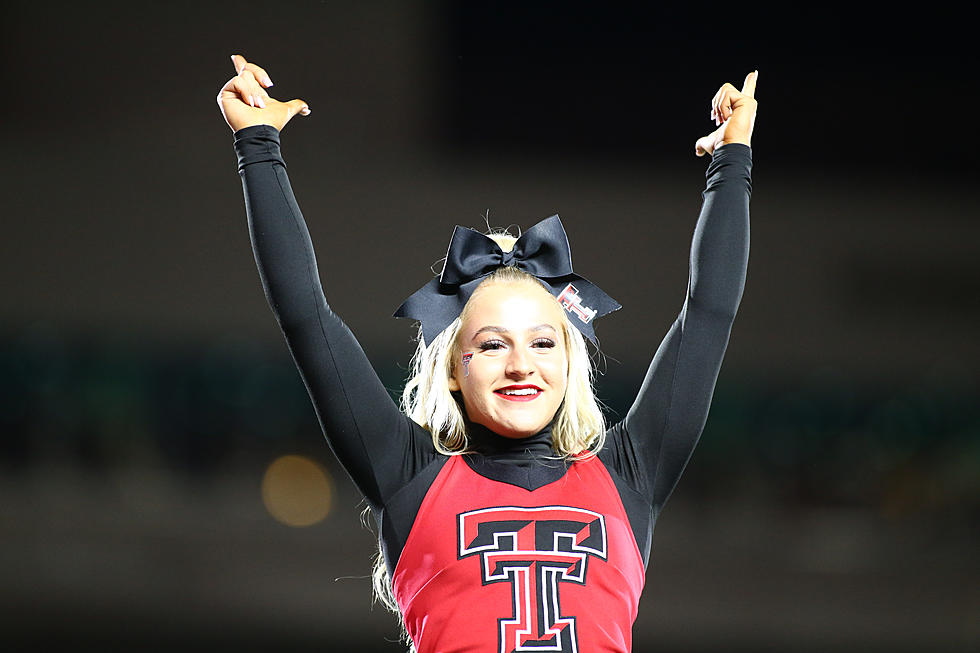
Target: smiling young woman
[435, 399]
[514, 377]
[510, 517]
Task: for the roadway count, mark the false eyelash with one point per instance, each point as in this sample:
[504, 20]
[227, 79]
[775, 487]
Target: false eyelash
[491, 345]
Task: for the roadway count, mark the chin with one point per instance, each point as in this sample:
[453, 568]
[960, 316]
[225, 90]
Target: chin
[517, 435]
[517, 431]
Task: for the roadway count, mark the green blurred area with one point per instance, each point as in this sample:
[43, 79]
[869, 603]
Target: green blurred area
[899, 447]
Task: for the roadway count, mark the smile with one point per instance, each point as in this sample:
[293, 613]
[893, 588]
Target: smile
[519, 392]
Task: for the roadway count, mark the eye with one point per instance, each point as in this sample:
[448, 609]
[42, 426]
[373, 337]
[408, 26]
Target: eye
[543, 343]
[490, 345]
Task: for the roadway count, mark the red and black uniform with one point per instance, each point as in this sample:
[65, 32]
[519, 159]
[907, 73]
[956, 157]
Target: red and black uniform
[507, 548]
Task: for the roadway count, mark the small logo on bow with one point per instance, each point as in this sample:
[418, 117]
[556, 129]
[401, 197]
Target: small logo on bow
[571, 302]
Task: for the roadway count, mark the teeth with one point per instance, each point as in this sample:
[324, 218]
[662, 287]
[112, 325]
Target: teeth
[525, 391]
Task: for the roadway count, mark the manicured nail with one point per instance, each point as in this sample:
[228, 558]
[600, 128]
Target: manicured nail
[261, 101]
[251, 101]
[268, 82]
[305, 111]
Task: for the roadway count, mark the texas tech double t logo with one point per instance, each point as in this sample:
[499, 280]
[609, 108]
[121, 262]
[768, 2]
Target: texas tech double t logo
[535, 550]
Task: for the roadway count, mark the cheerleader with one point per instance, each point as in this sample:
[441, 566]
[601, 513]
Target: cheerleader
[511, 517]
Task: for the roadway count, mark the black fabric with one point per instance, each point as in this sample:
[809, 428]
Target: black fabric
[541, 251]
[528, 463]
[392, 460]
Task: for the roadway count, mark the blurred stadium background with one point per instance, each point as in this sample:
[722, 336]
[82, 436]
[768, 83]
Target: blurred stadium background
[163, 481]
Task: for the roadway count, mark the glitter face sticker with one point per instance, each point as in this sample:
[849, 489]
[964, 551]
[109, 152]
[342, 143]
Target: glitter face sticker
[466, 362]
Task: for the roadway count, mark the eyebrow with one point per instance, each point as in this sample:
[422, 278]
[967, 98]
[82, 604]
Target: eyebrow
[497, 329]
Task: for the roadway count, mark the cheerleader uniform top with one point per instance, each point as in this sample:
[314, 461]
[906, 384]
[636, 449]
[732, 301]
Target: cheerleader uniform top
[509, 547]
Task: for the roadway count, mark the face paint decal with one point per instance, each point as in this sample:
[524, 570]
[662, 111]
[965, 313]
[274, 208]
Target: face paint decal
[467, 356]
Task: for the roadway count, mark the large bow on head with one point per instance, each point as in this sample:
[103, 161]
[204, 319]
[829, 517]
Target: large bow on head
[542, 251]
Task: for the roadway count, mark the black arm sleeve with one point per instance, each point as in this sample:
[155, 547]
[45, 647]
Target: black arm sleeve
[652, 445]
[377, 444]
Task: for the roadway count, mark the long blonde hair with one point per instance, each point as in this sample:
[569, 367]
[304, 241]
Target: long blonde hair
[579, 424]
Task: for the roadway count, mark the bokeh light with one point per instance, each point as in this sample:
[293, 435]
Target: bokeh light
[297, 491]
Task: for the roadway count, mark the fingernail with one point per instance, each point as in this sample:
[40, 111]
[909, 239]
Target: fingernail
[251, 101]
[268, 82]
[305, 111]
[261, 101]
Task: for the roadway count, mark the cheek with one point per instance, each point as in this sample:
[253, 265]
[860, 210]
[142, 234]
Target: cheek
[556, 370]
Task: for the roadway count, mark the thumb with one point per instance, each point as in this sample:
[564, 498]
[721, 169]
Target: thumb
[704, 145]
[298, 106]
[707, 144]
[748, 88]
[294, 107]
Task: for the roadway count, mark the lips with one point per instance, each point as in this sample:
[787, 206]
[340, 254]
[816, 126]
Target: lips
[519, 392]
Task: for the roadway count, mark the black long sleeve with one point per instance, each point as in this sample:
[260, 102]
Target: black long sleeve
[653, 444]
[376, 443]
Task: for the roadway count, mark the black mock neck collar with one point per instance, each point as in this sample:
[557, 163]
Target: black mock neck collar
[491, 444]
[528, 463]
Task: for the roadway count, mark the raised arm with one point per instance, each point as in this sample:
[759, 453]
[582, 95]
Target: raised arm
[652, 445]
[378, 445]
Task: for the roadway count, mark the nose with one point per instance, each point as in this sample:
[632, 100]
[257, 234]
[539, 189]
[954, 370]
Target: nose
[518, 364]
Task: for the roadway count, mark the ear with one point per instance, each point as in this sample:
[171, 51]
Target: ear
[453, 383]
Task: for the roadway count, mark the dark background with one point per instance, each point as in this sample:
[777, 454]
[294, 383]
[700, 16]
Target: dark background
[832, 503]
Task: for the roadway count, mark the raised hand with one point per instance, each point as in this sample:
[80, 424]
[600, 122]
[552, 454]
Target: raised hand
[244, 101]
[734, 112]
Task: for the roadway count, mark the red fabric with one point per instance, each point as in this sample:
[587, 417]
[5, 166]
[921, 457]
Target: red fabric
[489, 566]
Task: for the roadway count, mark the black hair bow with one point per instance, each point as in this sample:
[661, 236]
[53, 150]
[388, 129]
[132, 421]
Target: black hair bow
[541, 251]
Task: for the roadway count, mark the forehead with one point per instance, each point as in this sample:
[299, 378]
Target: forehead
[514, 306]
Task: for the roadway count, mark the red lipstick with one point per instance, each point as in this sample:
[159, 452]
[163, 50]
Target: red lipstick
[519, 392]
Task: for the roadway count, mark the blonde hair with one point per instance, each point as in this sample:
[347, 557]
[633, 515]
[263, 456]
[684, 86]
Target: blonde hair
[578, 426]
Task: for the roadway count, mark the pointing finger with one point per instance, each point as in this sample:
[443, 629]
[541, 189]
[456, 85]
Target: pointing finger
[239, 62]
[748, 88]
[241, 65]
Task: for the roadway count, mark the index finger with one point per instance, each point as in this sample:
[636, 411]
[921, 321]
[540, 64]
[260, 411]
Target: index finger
[748, 88]
[241, 66]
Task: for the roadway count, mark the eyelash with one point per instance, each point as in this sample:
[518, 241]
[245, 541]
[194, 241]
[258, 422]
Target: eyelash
[492, 345]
